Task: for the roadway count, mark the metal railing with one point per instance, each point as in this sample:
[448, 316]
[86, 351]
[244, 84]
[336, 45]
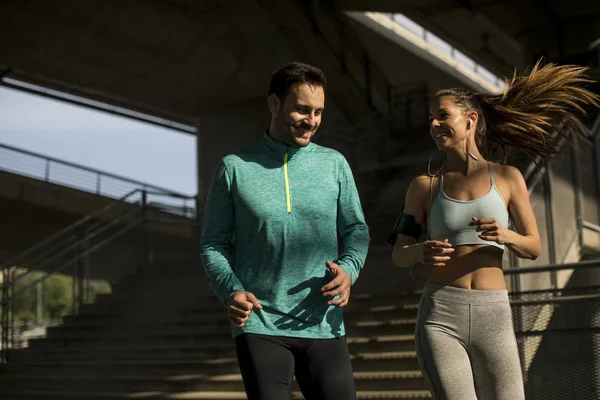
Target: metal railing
[564, 197]
[52, 170]
[73, 246]
[558, 333]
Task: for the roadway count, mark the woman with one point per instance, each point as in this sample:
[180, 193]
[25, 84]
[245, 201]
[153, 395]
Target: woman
[465, 340]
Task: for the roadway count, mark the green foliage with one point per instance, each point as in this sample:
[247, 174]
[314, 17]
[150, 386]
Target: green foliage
[56, 296]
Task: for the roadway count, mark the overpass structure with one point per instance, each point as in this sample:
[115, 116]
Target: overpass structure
[203, 67]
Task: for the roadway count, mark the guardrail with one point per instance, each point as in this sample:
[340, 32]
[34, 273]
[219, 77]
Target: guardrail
[60, 172]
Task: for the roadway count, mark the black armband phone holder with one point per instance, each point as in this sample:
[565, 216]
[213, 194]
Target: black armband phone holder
[405, 225]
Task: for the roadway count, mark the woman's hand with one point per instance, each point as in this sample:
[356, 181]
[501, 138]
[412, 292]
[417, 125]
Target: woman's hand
[436, 253]
[491, 230]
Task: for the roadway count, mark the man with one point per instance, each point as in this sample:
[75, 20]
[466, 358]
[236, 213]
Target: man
[285, 285]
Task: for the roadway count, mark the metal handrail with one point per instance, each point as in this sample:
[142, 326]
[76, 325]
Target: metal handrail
[62, 250]
[98, 173]
[589, 225]
[71, 227]
[88, 218]
[556, 300]
[546, 332]
[552, 267]
[533, 179]
[83, 253]
[59, 250]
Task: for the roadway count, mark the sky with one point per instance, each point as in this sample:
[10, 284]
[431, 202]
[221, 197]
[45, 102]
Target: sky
[95, 139]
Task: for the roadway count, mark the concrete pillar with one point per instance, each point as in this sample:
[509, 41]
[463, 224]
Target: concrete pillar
[240, 125]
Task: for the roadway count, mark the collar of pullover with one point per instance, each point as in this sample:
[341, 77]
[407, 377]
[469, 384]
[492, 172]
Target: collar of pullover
[277, 150]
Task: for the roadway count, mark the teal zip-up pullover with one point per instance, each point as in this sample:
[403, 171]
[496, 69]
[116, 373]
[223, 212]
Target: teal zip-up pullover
[286, 206]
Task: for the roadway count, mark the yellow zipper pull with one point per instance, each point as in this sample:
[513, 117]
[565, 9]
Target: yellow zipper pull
[287, 183]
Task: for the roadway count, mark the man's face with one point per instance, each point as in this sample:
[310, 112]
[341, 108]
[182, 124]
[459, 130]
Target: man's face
[299, 116]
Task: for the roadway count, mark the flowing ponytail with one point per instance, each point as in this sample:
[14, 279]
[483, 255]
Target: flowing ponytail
[550, 99]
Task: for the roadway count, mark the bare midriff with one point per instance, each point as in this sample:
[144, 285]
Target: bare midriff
[471, 267]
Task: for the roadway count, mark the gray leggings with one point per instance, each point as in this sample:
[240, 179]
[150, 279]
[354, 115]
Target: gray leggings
[466, 344]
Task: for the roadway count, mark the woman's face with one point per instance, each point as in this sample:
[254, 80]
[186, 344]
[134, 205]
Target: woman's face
[448, 124]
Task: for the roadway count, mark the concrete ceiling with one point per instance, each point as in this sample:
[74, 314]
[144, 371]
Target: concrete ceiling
[182, 59]
[171, 58]
[502, 34]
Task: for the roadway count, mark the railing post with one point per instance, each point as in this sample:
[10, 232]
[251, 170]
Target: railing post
[549, 203]
[98, 183]
[13, 308]
[577, 191]
[47, 172]
[85, 246]
[144, 234]
[79, 263]
[5, 312]
[39, 303]
[75, 281]
[596, 158]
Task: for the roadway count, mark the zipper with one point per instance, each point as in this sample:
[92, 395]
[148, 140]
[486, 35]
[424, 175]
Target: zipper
[288, 200]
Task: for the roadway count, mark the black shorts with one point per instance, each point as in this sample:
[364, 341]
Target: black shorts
[322, 367]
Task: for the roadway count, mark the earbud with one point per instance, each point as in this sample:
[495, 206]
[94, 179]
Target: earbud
[470, 124]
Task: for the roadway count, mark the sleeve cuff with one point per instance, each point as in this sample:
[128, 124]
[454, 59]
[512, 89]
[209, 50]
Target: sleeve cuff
[230, 293]
[349, 270]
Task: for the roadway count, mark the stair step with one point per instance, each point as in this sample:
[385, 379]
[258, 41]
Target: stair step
[153, 338]
[175, 339]
[224, 348]
[204, 395]
[217, 317]
[358, 344]
[92, 329]
[363, 302]
[384, 380]
[350, 315]
[102, 318]
[185, 297]
[153, 331]
[140, 332]
[361, 362]
[375, 328]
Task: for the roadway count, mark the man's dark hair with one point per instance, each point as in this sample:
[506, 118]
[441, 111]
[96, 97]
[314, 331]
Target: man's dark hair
[290, 74]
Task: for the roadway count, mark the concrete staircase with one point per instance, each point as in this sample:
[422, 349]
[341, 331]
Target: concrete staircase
[156, 337]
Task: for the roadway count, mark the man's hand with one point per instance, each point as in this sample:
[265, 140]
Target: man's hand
[240, 305]
[340, 285]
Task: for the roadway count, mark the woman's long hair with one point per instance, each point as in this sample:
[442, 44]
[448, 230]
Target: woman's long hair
[551, 98]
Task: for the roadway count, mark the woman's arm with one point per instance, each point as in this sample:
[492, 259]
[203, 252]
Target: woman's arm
[525, 242]
[407, 252]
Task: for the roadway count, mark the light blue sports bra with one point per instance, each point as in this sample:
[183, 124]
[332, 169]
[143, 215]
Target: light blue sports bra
[449, 218]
